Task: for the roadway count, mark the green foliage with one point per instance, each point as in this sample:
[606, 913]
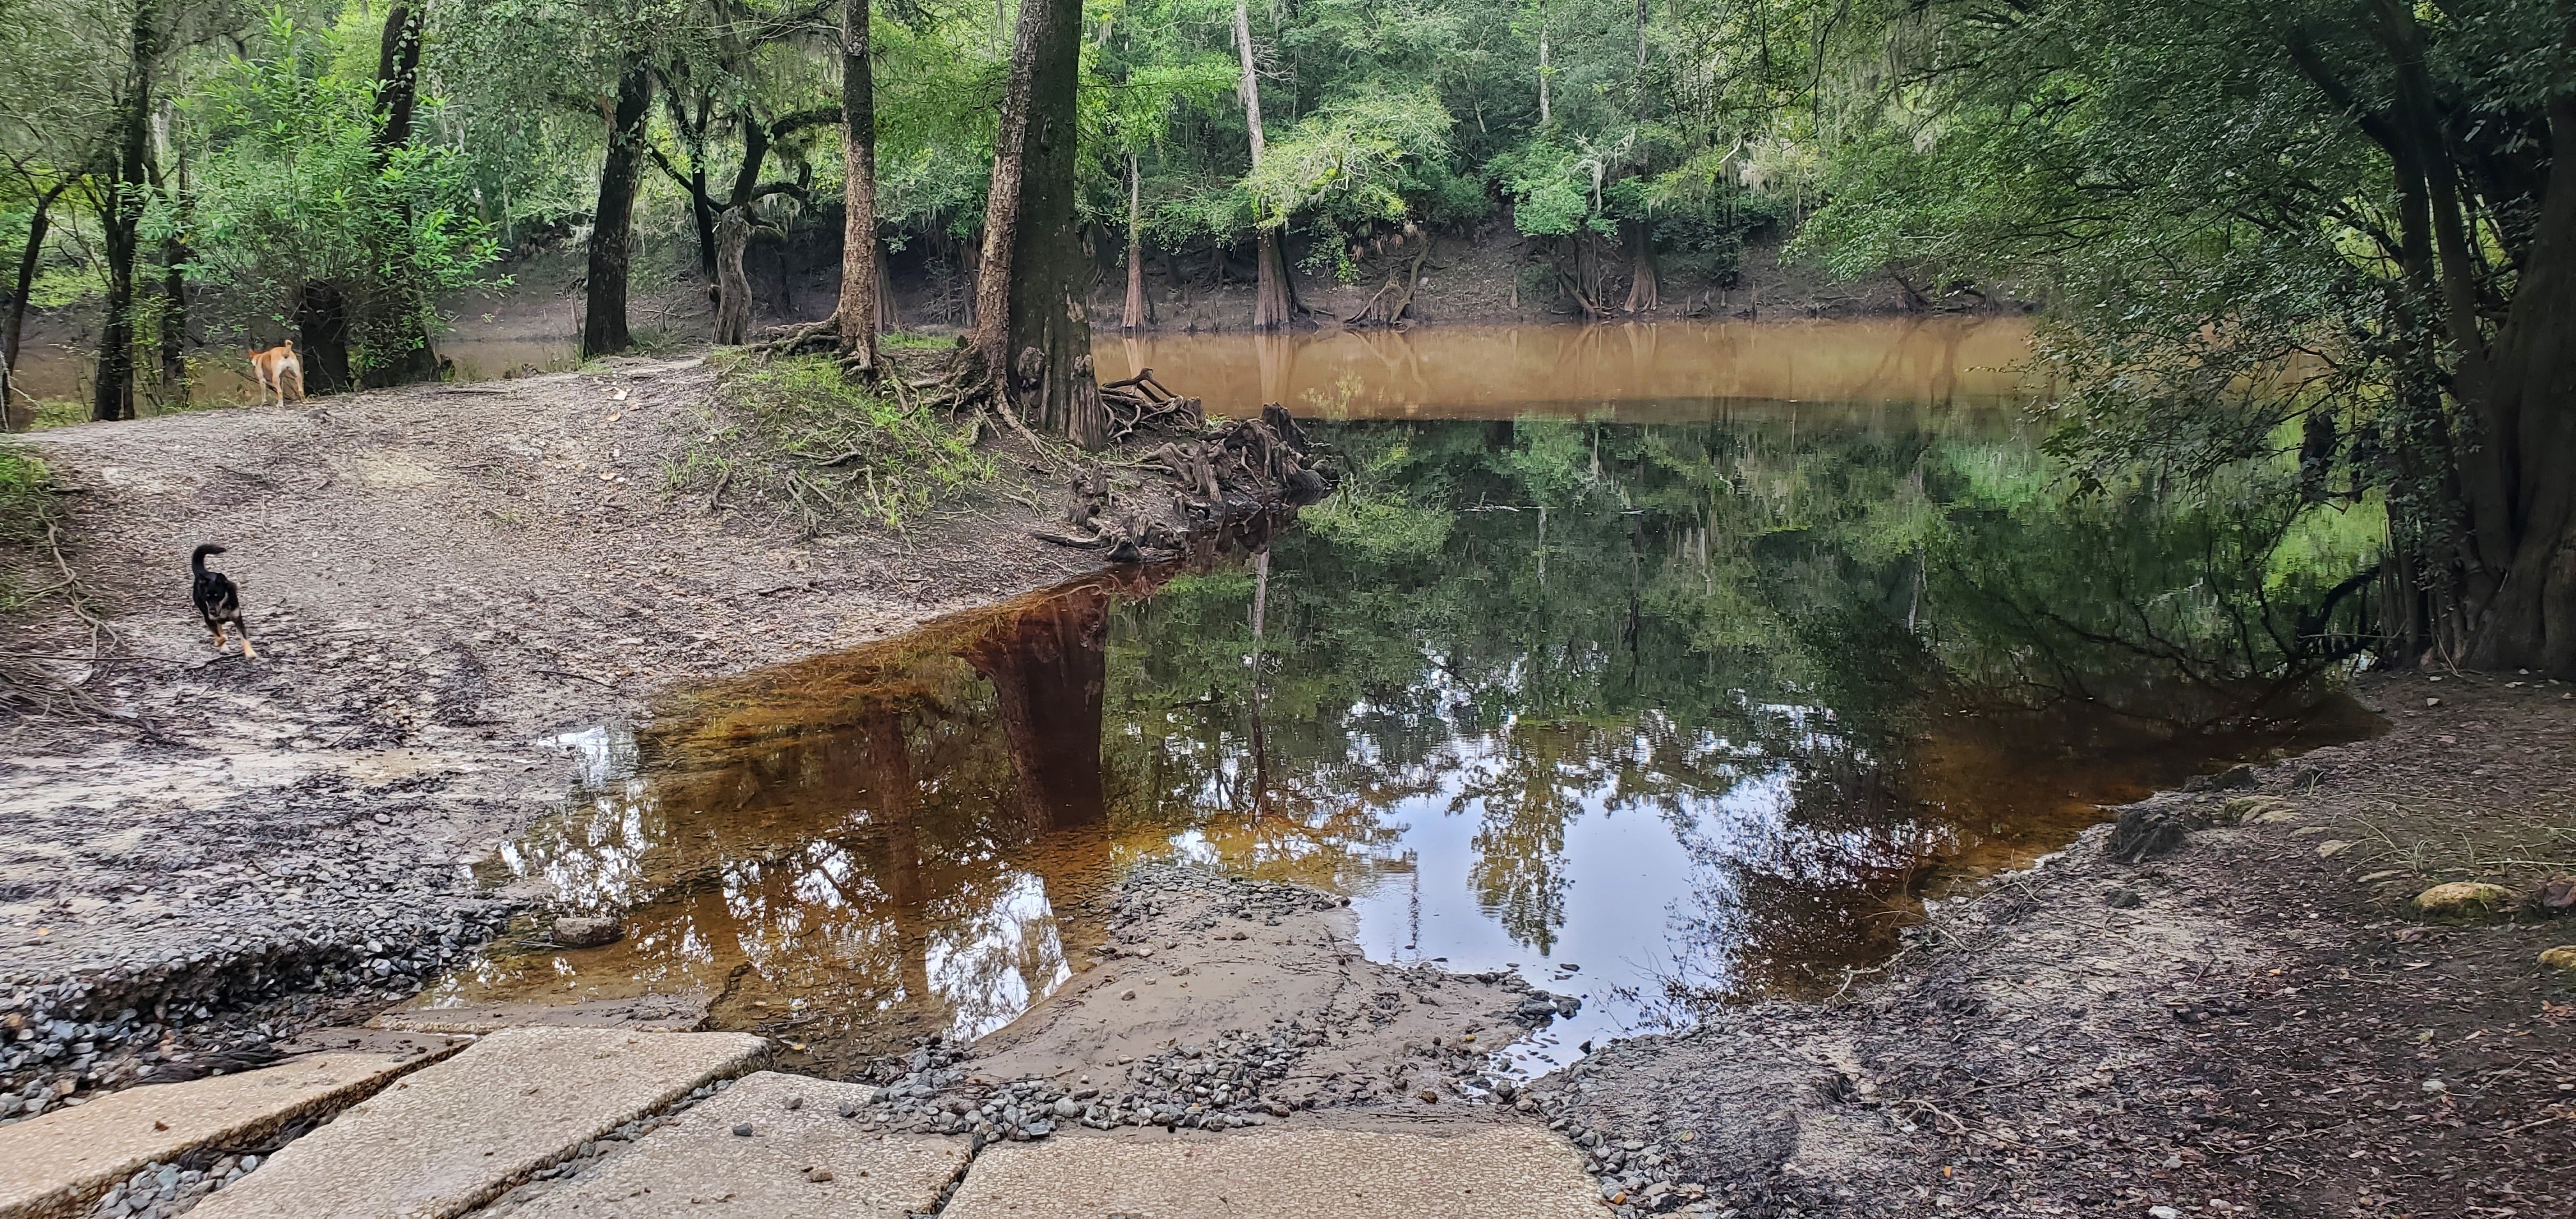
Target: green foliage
[795, 432]
[1348, 159]
[292, 187]
[2224, 241]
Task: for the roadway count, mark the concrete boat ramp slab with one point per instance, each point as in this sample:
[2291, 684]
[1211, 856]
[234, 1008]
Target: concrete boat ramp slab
[471, 1135]
[1460, 1170]
[799, 1160]
[61, 1163]
[459, 1134]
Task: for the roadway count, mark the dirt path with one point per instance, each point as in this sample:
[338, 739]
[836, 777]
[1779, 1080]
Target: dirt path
[441, 580]
[2255, 1023]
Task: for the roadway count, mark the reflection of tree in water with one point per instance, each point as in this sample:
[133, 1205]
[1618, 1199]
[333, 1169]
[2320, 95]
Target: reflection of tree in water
[853, 886]
[1747, 632]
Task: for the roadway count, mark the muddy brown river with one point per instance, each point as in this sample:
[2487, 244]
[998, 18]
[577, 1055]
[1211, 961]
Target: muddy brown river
[1663, 665]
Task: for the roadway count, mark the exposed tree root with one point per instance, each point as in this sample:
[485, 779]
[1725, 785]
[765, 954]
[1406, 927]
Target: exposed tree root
[1216, 476]
[1395, 297]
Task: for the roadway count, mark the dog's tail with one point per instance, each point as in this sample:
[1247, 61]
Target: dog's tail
[197, 561]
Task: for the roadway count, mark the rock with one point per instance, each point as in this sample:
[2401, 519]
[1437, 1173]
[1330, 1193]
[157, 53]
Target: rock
[2554, 897]
[2226, 780]
[2561, 958]
[742, 1130]
[2146, 831]
[2463, 897]
[2124, 899]
[586, 931]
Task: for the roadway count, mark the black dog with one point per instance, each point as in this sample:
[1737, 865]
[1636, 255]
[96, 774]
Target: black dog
[218, 602]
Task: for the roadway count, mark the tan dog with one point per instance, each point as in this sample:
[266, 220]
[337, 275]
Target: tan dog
[277, 368]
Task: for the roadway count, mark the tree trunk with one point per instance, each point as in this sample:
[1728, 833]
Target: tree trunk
[1031, 330]
[861, 274]
[13, 417]
[397, 91]
[993, 265]
[1269, 277]
[1543, 73]
[888, 321]
[2527, 424]
[1645, 289]
[120, 213]
[1138, 308]
[733, 286]
[174, 322]
[1270, 301]
[398, 74]
[703, 216]
[322, 338]
[603, 330]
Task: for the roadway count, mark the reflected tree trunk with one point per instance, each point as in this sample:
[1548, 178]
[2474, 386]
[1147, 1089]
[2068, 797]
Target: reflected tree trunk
[1048, 671]
[898, 809]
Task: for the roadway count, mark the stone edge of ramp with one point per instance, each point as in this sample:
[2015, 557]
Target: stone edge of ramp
[453, 1138]
[1285, 1173]
[218, 1110]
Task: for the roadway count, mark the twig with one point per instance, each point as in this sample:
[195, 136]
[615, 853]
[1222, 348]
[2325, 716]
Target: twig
[603, 682]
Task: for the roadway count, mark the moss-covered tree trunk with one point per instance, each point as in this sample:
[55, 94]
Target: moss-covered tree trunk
[603, 329]
[733, 286]
[861, 274]
[1032, 333]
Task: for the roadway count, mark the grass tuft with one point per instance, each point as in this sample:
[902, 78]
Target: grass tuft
[794, 432]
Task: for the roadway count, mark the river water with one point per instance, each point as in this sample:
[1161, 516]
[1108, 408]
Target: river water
[1685, 675]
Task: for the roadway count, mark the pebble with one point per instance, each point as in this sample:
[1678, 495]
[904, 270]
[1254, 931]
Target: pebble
[742, 1130]
[66, 1037]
